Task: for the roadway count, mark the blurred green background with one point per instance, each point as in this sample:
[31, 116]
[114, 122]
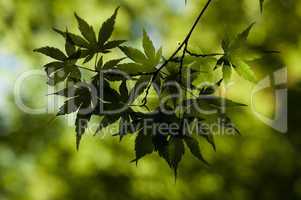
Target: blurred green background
[38, 160]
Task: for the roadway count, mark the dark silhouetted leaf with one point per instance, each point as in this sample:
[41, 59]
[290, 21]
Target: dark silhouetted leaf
[106, 121]
[139, 87]
[69, 46]
[194, 148]
[59, 71]
[175, 152]
[81, 123]
[123, 90]
[68, 107]
[161, 146]
[113, 44]
[210, 139]
[88, 58]
[107, 28]
[86, 30]
[77, 40]
[52, 52]
[148, 46]
[143, 145]
[112, 63]
[52, 67]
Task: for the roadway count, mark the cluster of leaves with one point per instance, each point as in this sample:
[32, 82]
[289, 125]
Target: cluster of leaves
[108, 91]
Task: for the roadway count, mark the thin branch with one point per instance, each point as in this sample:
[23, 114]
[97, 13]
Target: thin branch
[186, 38]
[182, 61]
[204, 55]
[185, 42]
[142, 74]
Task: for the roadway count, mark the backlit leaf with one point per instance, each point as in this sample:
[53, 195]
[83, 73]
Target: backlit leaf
[134, 54]
[244, 70]
[86, 30]
[148, 46]
[107, 28]
[227, 71]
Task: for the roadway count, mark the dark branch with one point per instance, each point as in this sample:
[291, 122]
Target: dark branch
[184, 43]
[204, 55]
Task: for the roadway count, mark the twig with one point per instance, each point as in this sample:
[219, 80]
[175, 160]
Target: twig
[204, 55]
[184, 43]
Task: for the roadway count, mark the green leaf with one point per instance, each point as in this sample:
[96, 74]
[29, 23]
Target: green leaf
[86, 30]
[52, 67]
[226, 43]
[161, 146]
[123, 90]
[244, 70]
[241, 38]
[134, 54]
[113, 44]
[244, 35]
[194, 148]
[70, 106]
[175, 152]
[66, 92]
[107, 28]
[210, 139]
[139, 87]
[112, 63]
[158, 56]
[148, 46]
[106, 121]
[77, 40]
[58, 72]
[81, 123]
[143, 145]
[69, 46]
[99, 64]
[134, 68]
[88, 58]
[227, 71]
[52, 52]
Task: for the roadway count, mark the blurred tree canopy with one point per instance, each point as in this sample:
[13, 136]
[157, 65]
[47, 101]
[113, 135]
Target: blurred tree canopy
[38, 160]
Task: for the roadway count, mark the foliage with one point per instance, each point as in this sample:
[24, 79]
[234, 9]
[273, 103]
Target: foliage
[147, 71]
